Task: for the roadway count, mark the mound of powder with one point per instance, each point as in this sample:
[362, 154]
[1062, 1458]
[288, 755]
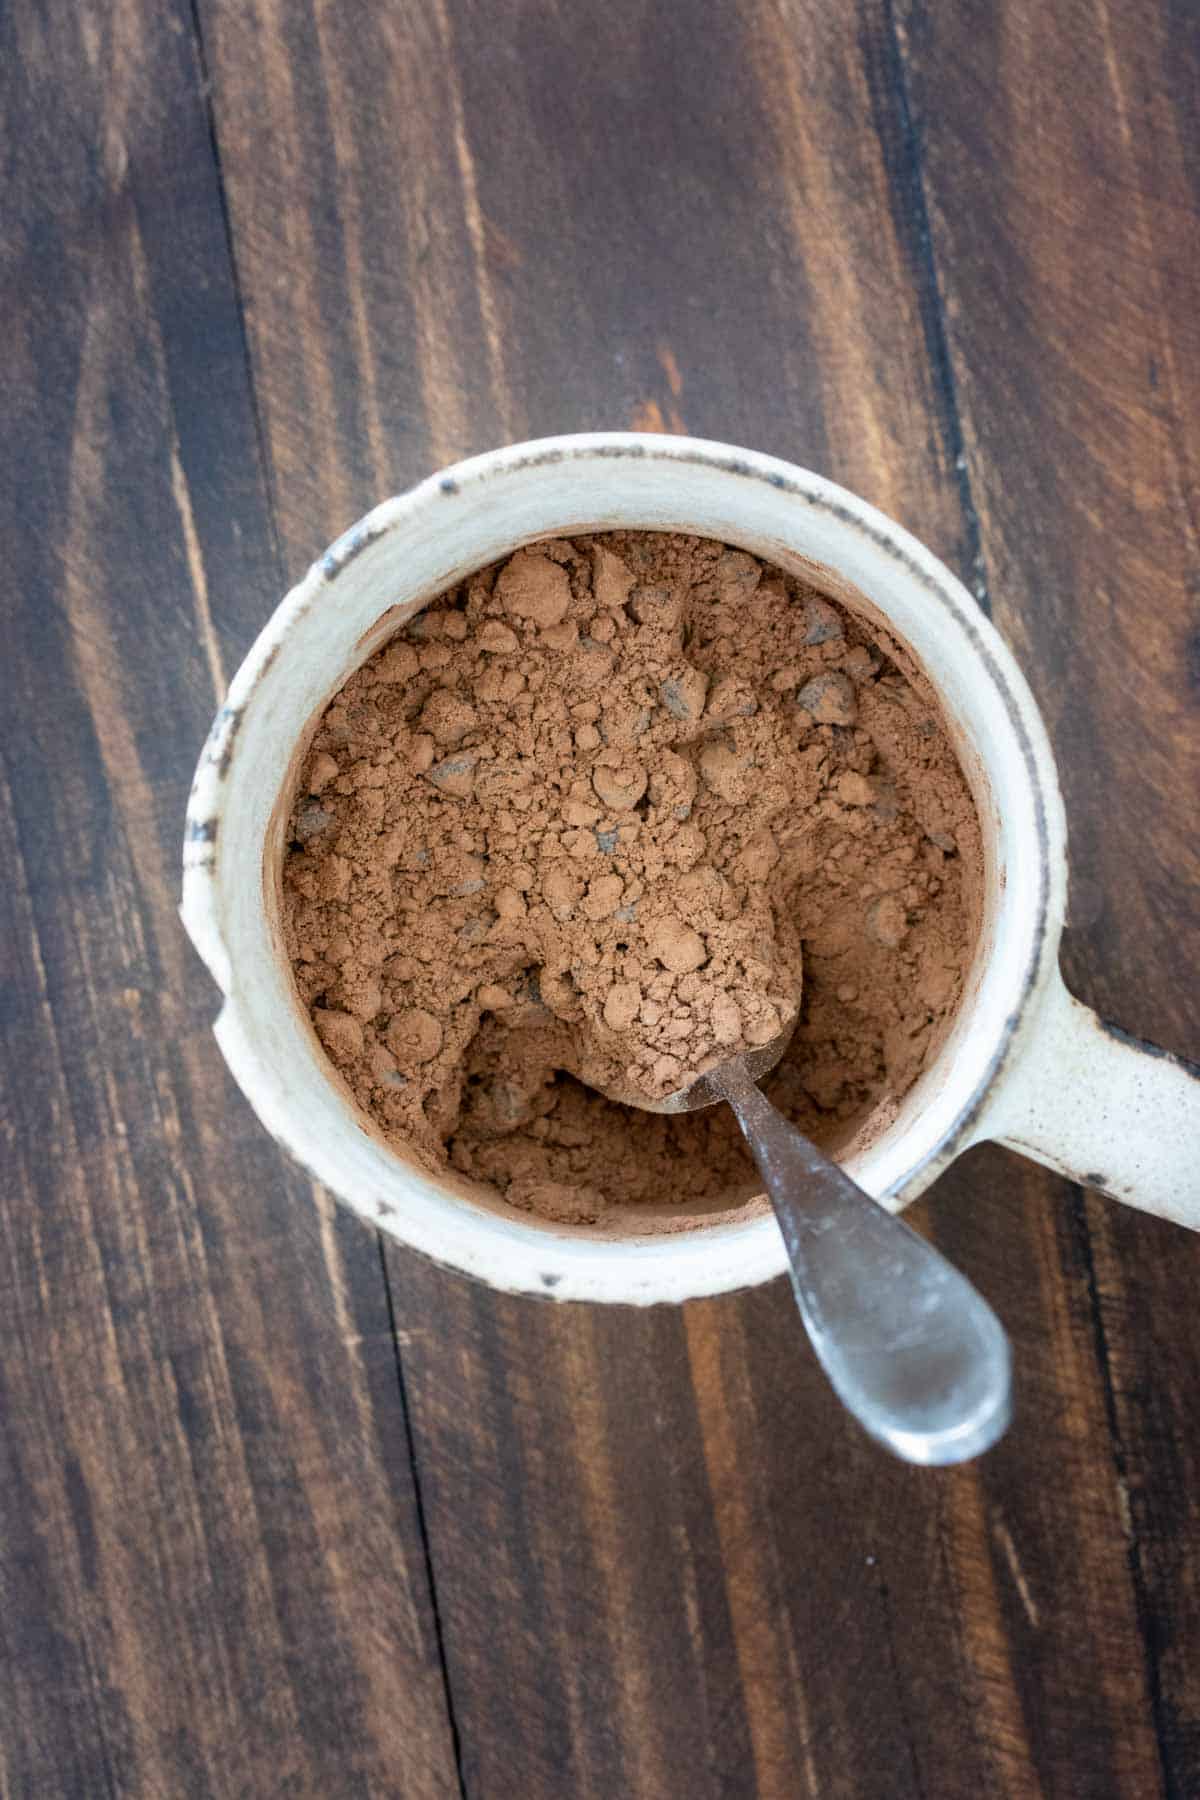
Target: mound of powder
[619, 806]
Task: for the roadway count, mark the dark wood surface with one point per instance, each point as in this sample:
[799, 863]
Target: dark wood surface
[282, 1512]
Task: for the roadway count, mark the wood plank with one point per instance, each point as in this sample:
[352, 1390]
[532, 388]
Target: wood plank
[664, 1563]
[839, 1624]
[468, 258]
[212, 1576]
[1061, 170]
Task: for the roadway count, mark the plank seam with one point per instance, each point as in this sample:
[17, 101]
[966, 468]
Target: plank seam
[885, 1600]
[1143, 1612]
[910, 182]
[418, 1498]
[260, 434]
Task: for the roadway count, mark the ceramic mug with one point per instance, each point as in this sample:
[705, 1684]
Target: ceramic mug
[1024, 1063]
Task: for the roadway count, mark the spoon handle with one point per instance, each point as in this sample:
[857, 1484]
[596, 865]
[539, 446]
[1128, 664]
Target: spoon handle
[911, 1348]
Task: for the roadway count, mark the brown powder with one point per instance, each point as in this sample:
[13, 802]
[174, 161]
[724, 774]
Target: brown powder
[620, 805]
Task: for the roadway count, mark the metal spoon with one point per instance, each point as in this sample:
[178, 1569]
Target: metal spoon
[911, 1348]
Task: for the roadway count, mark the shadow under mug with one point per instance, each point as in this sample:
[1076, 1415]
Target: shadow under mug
[1023, 1064]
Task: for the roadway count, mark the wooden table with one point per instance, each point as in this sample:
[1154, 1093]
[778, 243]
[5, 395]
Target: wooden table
[287, 1512]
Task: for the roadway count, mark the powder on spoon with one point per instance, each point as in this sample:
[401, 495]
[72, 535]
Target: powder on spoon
[616, 806]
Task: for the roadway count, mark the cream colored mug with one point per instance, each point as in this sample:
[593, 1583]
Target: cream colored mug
[1024, 1063]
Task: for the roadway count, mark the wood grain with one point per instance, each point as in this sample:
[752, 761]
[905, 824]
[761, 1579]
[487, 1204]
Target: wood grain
[263, 265]
[212, 1579]
[1077, 366]
[568, 223]
[721, 224]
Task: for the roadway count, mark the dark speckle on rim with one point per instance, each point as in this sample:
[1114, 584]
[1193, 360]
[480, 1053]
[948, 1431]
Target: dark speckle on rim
[221, 738]
[1136, 1043]
[347, 547]
[200, 831]
[384, 1210]
[1094, 1179]
[1121, 1036]
[551, 1280]
[543, 459]
[448, 484]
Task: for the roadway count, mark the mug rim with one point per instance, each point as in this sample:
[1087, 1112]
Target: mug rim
[664, 1255]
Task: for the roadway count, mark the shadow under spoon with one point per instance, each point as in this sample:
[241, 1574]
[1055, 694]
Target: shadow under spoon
[911, 1348]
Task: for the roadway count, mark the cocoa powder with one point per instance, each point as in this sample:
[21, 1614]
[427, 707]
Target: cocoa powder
[622, 805]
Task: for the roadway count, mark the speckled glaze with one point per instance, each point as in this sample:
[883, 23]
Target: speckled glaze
[1024, 1063]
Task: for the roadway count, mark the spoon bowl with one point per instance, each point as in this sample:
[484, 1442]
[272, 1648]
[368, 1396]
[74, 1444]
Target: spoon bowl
[912, 1350]
[704, 1089]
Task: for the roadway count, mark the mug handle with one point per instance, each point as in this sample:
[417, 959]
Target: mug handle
[1104, 1109]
